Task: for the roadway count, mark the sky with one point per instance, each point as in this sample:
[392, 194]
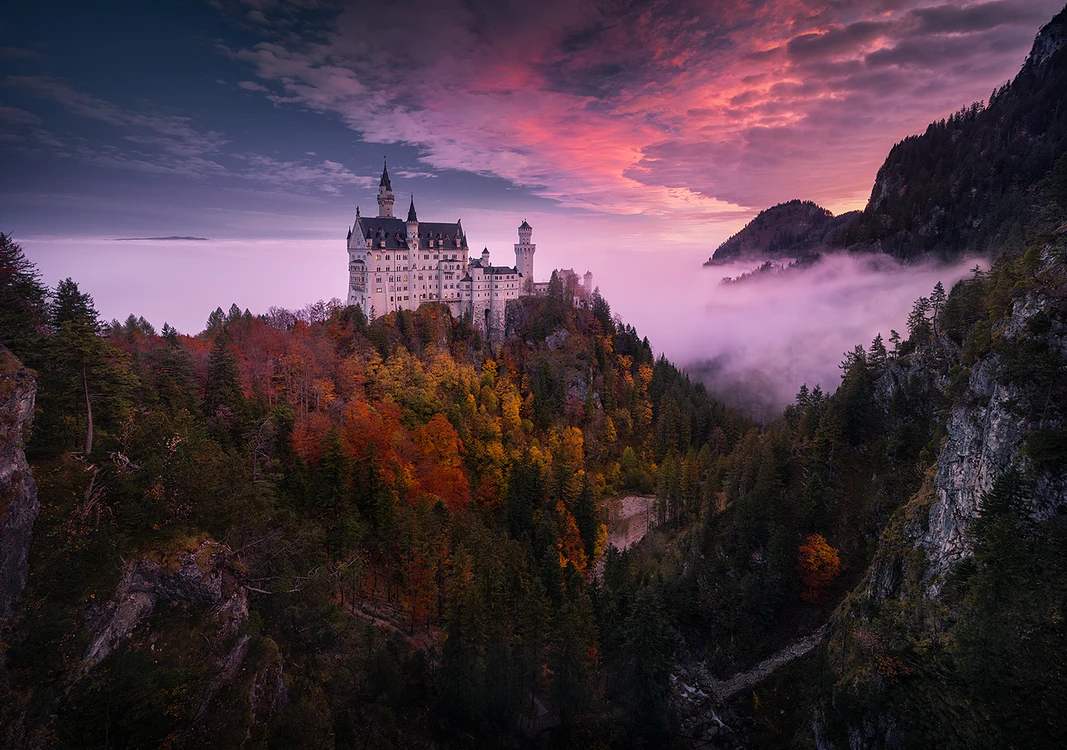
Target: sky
[633, 135]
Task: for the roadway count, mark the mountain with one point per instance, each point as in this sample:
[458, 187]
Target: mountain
[963, 186]
[884, 566]
[795, 229]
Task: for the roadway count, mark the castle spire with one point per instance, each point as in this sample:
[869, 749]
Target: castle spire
[385, 195]
[385, 176]
[411, 211]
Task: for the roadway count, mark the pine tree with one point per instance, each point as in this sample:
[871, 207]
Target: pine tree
[216, 320]
[918, 323]
[82, 372]
[22, 299]
[937, 303]
[224, 401]
[877, 355]
[650, 657]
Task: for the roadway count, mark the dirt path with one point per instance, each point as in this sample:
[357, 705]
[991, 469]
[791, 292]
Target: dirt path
[731, 686]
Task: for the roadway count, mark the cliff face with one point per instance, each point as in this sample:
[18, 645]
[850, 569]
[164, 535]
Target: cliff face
[987, 434]
[903, 623]
[18, 491]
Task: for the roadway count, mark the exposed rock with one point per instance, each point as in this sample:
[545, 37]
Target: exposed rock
[18, 492]
[200, 576]
[555, 339]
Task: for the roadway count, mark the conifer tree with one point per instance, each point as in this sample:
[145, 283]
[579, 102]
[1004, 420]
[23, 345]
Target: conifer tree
[22, 299]
[82, 377]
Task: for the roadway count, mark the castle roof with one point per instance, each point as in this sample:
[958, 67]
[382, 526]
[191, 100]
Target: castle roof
[524, 225]
[385, 178]
[395, 233]
[489, 269]
[411, 210]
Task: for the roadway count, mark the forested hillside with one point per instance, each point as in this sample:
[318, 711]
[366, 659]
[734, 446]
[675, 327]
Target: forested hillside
[964, 186]
[306, 525]
[796, 229]
[307, 529]
[924, 502]
[966, 183]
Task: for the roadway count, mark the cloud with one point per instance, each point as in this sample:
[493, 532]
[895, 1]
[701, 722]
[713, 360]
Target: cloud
[686, 108]
[758, 341]
[170, 238]
[18, 53]
[170, 144]
[15, 116]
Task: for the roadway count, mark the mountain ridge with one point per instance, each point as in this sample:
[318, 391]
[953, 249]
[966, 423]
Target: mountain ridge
[962, 186]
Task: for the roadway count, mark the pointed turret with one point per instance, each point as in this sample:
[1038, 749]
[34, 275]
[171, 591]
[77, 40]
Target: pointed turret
[385, 195]
[411, 211]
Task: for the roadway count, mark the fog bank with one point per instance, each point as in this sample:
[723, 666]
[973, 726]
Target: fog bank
[755, 343]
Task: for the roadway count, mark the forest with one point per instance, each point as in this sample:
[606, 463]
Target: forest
[310, 529]
[405, 523]
[412, 514]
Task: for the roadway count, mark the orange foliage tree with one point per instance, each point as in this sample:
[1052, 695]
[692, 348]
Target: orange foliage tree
[818, 564]
[441, 472]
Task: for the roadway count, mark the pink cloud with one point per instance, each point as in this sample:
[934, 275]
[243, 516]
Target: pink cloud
[688, 108]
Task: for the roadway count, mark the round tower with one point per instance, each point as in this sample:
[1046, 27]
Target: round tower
[524, 256]
[385, 195]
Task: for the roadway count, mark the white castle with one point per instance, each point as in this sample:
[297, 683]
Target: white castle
[400, 265]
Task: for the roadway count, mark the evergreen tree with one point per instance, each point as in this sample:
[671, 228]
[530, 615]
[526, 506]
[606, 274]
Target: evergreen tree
[83, 375]
[216, 320]
[918, 323]
[650, 657]
[22, 299]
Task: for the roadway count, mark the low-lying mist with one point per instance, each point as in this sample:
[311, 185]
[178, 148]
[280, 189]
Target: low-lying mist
[755, 343]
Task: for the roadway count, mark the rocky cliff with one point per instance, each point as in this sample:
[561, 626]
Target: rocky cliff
[923, 625]
[18, 492]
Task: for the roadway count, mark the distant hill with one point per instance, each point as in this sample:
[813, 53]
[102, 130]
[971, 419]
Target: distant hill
[965, 185]
[789, 230]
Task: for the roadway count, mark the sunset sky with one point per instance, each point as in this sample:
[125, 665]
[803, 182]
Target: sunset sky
[625, 132]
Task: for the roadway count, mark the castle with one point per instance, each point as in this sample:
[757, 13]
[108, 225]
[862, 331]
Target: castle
[400, 265]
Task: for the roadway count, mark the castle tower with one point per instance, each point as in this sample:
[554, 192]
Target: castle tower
[588, 284]
[413, 226]
[524, 255]
[385, 195]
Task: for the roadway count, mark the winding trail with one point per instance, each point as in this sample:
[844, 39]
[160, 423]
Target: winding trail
[723, 690]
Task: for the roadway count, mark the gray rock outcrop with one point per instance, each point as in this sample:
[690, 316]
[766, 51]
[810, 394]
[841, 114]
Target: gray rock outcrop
[197, 576]
[18, 492]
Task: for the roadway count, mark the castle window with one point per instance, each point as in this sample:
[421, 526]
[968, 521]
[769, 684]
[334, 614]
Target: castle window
[379, 290]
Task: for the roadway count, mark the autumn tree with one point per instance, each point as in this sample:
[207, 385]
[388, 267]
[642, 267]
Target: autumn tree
[818, 564]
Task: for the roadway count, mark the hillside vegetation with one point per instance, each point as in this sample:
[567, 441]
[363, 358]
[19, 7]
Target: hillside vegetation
[964, 186]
